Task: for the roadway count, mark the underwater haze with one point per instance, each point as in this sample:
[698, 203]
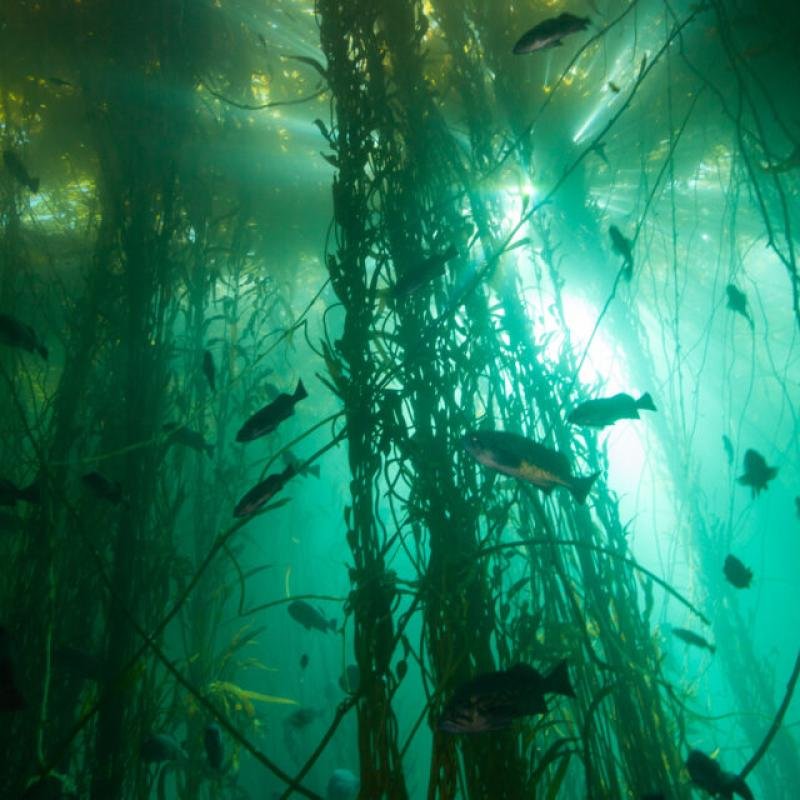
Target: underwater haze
[399, 399]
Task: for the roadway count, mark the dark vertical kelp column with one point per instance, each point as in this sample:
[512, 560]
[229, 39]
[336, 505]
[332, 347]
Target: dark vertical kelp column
[585, 604]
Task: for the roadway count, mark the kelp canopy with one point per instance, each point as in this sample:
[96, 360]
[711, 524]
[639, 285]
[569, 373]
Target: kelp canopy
[204, 203]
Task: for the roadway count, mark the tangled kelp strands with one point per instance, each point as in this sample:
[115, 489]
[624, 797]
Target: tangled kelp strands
[398, 400]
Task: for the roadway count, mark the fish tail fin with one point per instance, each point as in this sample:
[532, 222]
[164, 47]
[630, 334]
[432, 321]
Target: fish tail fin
[558, 680]
[581, 487]
[314, 470]
[645, 403]
[300, 392]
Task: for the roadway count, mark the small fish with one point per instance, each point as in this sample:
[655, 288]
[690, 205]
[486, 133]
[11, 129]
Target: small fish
[491, 701]
[10, 494]
[350, 679]
[690, 637]
[11, 698]
[268, 419]
[292, 460]
[262, 492]
[160, 747]
[209, 370]
[614, 87]
[797, 506]
[79, 663]
[737, 302]
[550, 32]
[608, 410]
[342, 785]
[412, 281]
[103, 488]
[56, 81]
[301, 718]
[304, 661]
[728, 445]
[310, 617]
[600, 149]
[215, 750]
[188, 438]
[737, 573]
[18, 171]
[707, 773]
[622, 246]
[14, 333]
[756, 472]
[525, 459]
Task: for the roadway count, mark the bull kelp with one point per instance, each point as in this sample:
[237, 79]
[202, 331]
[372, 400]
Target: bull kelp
[325, 329]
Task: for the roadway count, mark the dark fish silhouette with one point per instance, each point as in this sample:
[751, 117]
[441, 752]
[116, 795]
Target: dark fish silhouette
[622, 246]
[756, 472]
[301, 718]
[350, 679]
[268, 419]
[209, 370]
[728, 445]
[525, 459]
[737, 301]
[14, 333]
[737, 573]
[18, 171]
[707, 773]
[160, 747]
[429, 269]
[797, 506]
[290, 458]
[310, 617]
[103, 487]
[262, 492]
[690, 637]
[215, 750]
[342, 785]
[10, 494]
[608, 410]
[491, 701]
[187, 438]
[550, 32]
[11, 698]
[304, 661]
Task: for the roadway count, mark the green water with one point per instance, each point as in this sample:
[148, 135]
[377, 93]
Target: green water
[203, 203]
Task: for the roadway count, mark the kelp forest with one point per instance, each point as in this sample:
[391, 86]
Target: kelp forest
[399, 399]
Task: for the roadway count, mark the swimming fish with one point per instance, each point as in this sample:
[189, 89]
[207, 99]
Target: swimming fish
[737, 573]
[342, 785]
[728, 445]
[550, 32]
[491, 701]
[413, 280]
[103, 487]
[622, 246]
[690, 637]
[209, 370]
[263, 491]
[268, 418]
[301, 718]
[14, 333]
[10, 494]
[160, 747]
[304, 661]
[523, 458]
[310, 617]
[11, 698]
[180, 434]
[212, 742]
[608, 410]
[756, 472]
[707, 773]
[737, 302]
[19, 171]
